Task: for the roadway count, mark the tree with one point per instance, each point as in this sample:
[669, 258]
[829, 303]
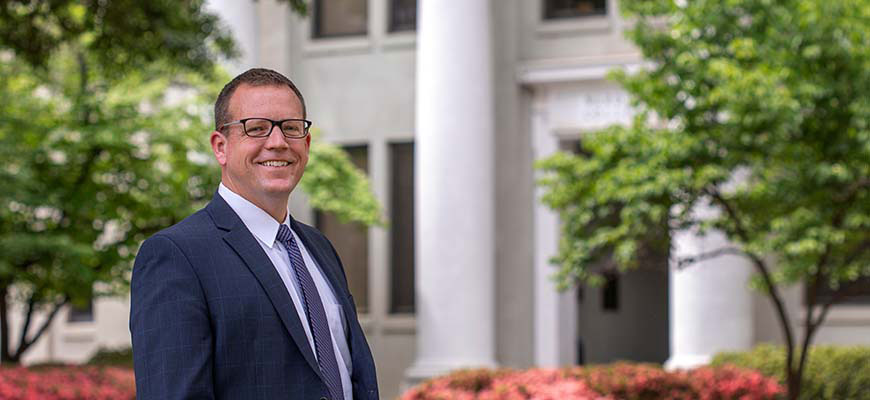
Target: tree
[104, 118]
[757, 109]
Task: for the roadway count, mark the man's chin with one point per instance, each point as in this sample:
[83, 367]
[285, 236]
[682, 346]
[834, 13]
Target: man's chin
[279, 190]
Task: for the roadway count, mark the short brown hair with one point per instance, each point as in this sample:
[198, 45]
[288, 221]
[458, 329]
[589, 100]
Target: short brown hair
[253, 77]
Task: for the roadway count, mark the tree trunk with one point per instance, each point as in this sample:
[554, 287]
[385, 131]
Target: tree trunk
[4, 326]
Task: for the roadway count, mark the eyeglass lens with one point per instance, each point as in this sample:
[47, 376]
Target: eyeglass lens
[262, 127]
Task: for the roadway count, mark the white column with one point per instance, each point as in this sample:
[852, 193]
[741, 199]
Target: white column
[241, 19]
[555, 312]
[454, 188]
[711, 304]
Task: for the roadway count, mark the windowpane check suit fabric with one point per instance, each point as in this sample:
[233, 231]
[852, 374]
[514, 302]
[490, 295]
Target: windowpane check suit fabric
[210, 317]
[316, 315]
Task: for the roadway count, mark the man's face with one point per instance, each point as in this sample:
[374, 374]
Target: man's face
[244, 159]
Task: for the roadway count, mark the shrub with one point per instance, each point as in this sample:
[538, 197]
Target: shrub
[483, 384]
[120, 357]
[67, 383]
[833, 372]
[610, 382]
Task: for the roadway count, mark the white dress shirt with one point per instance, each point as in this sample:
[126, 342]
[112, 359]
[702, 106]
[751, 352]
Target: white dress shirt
[265, 229]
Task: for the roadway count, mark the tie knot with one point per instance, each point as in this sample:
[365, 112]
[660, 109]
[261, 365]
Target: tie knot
[284, 234]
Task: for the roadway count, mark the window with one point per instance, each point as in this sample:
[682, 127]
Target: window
[340, 18]
[557, 9]
[82, 313]
[403, 15]
[351, 240]
[402, 228]
[857, 292]
[610, 292]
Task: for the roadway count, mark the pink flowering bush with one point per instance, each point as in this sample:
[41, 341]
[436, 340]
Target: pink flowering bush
[482, 384]
[610, 382]
[67, 383]
[645, 381]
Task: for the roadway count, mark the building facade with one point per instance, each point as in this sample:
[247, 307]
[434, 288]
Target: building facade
[447, 105]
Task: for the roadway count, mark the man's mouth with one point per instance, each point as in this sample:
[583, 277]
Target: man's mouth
[274, 163]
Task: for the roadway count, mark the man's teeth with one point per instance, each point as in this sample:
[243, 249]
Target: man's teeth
[275, 163]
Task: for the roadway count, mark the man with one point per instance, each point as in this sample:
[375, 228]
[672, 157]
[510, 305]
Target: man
[240, 301]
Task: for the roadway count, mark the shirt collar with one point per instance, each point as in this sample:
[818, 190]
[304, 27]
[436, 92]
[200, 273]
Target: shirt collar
[258, 221]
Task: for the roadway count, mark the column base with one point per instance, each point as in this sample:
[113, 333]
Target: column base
[687, 361]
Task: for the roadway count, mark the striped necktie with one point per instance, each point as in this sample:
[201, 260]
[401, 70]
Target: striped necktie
[316, 315]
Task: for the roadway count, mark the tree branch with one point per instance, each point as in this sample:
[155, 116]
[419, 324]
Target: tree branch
[686, 261]
[762, 269]
[852, 190]
[857, 252]
[836, 298]
[28, 318]
[4, 323]
[26, 344]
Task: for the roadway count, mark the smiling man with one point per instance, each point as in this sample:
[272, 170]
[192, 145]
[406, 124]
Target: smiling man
[239, 300]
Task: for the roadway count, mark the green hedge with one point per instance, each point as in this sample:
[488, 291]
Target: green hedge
[833, 372]
[119, 357]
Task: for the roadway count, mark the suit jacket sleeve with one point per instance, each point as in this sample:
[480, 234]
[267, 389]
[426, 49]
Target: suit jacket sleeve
[170, 325]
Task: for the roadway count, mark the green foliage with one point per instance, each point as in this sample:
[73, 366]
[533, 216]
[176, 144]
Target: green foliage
[758, 109]
[833, 372]
[752, 119]
[118, 33]
[335, 185]
[118, 357]
[91, 168]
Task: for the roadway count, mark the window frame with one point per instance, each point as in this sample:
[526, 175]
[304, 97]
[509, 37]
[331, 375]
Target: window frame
[546, 11]
[316, 32]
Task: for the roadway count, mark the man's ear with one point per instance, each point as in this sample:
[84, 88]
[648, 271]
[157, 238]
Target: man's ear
[219, 147]
[308, 140]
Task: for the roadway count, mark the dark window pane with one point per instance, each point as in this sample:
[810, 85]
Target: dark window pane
[351, 241]
[340, 17]
[610, 292]
[83, 313]
[857, 292]
[554, 9]
[402, 228]
[403, 15]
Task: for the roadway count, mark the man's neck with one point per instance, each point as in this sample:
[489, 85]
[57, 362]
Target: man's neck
[277, 211]
[275, 207]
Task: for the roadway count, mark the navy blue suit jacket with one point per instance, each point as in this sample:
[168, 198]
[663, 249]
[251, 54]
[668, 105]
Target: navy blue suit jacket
[211, 318]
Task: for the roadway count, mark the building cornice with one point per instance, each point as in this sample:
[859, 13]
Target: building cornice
[578, 69]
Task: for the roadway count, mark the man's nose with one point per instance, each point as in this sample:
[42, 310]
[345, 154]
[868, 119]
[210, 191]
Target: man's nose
[276, 138]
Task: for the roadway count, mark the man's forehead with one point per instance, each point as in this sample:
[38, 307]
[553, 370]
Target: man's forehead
[247, 95]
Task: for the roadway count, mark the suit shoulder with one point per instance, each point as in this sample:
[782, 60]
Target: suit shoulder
[195, 226]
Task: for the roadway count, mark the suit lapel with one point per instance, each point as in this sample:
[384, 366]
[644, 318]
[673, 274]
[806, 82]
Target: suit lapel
[244, 243]
[329, 270]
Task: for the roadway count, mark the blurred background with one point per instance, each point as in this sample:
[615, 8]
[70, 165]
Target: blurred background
[516, 204]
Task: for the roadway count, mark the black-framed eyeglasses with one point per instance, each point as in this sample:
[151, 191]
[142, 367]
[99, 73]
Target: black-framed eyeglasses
[292, 128]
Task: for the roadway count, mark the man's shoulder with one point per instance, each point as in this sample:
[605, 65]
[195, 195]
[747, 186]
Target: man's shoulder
[197, 226]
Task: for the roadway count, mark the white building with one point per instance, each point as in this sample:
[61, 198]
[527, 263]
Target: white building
[448, 120]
